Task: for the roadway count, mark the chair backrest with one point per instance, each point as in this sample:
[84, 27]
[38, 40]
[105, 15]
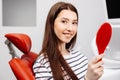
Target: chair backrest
[21, 66]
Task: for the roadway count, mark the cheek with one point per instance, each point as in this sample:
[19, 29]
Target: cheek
[57, 30]
[75, 30]
[58, 27]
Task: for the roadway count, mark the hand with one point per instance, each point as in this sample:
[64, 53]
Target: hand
[95, 68]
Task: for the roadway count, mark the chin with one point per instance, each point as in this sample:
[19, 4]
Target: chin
[67, 41]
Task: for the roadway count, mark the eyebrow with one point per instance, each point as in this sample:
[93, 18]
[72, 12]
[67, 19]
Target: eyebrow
[68, 19]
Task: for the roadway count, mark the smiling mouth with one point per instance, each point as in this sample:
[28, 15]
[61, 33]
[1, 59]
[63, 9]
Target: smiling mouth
[68, 34]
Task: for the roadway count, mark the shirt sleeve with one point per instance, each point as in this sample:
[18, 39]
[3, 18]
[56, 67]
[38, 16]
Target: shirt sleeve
[41, 72]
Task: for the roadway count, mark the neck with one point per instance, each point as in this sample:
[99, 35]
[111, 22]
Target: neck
[63, 49]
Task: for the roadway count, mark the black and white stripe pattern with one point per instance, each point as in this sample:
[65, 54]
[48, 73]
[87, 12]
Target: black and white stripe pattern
[77, 61]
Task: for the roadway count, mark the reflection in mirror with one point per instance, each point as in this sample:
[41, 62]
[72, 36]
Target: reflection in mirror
[19, 12]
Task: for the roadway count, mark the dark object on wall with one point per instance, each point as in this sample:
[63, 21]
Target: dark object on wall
[113, 8]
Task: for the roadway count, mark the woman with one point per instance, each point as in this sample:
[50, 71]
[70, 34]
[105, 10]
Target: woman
[57, 59]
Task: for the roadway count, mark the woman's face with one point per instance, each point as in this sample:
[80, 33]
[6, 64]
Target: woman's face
[65, 25]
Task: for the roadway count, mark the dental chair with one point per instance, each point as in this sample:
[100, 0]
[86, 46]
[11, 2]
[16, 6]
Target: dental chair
[21, 65]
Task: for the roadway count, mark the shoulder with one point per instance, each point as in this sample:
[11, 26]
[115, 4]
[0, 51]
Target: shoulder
[41, 60]
[77, 51]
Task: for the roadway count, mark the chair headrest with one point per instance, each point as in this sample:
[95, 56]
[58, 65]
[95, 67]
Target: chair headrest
[20, 40]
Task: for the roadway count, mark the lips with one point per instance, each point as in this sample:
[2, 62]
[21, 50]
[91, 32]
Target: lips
[68, 34]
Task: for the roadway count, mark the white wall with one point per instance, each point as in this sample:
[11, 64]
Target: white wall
[91, 14]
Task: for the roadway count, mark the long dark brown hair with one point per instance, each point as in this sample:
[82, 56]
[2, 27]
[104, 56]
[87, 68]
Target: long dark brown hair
[51, 42]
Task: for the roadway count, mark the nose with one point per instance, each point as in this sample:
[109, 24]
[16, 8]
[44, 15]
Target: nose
[69, 27]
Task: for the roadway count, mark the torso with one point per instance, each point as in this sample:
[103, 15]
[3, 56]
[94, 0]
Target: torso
[77, 61]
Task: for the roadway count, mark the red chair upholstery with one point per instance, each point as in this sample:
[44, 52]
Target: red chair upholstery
[21, 66]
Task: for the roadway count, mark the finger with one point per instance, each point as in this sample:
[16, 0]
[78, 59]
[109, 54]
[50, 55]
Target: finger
[97, 58]
[99, 70]
[99, 64]
[100, 73]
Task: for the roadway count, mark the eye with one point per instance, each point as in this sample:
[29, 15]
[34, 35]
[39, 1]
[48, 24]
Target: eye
[75, 23]
[64, 21]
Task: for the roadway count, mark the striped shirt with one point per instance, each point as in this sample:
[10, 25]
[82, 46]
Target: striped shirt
[77, 61]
